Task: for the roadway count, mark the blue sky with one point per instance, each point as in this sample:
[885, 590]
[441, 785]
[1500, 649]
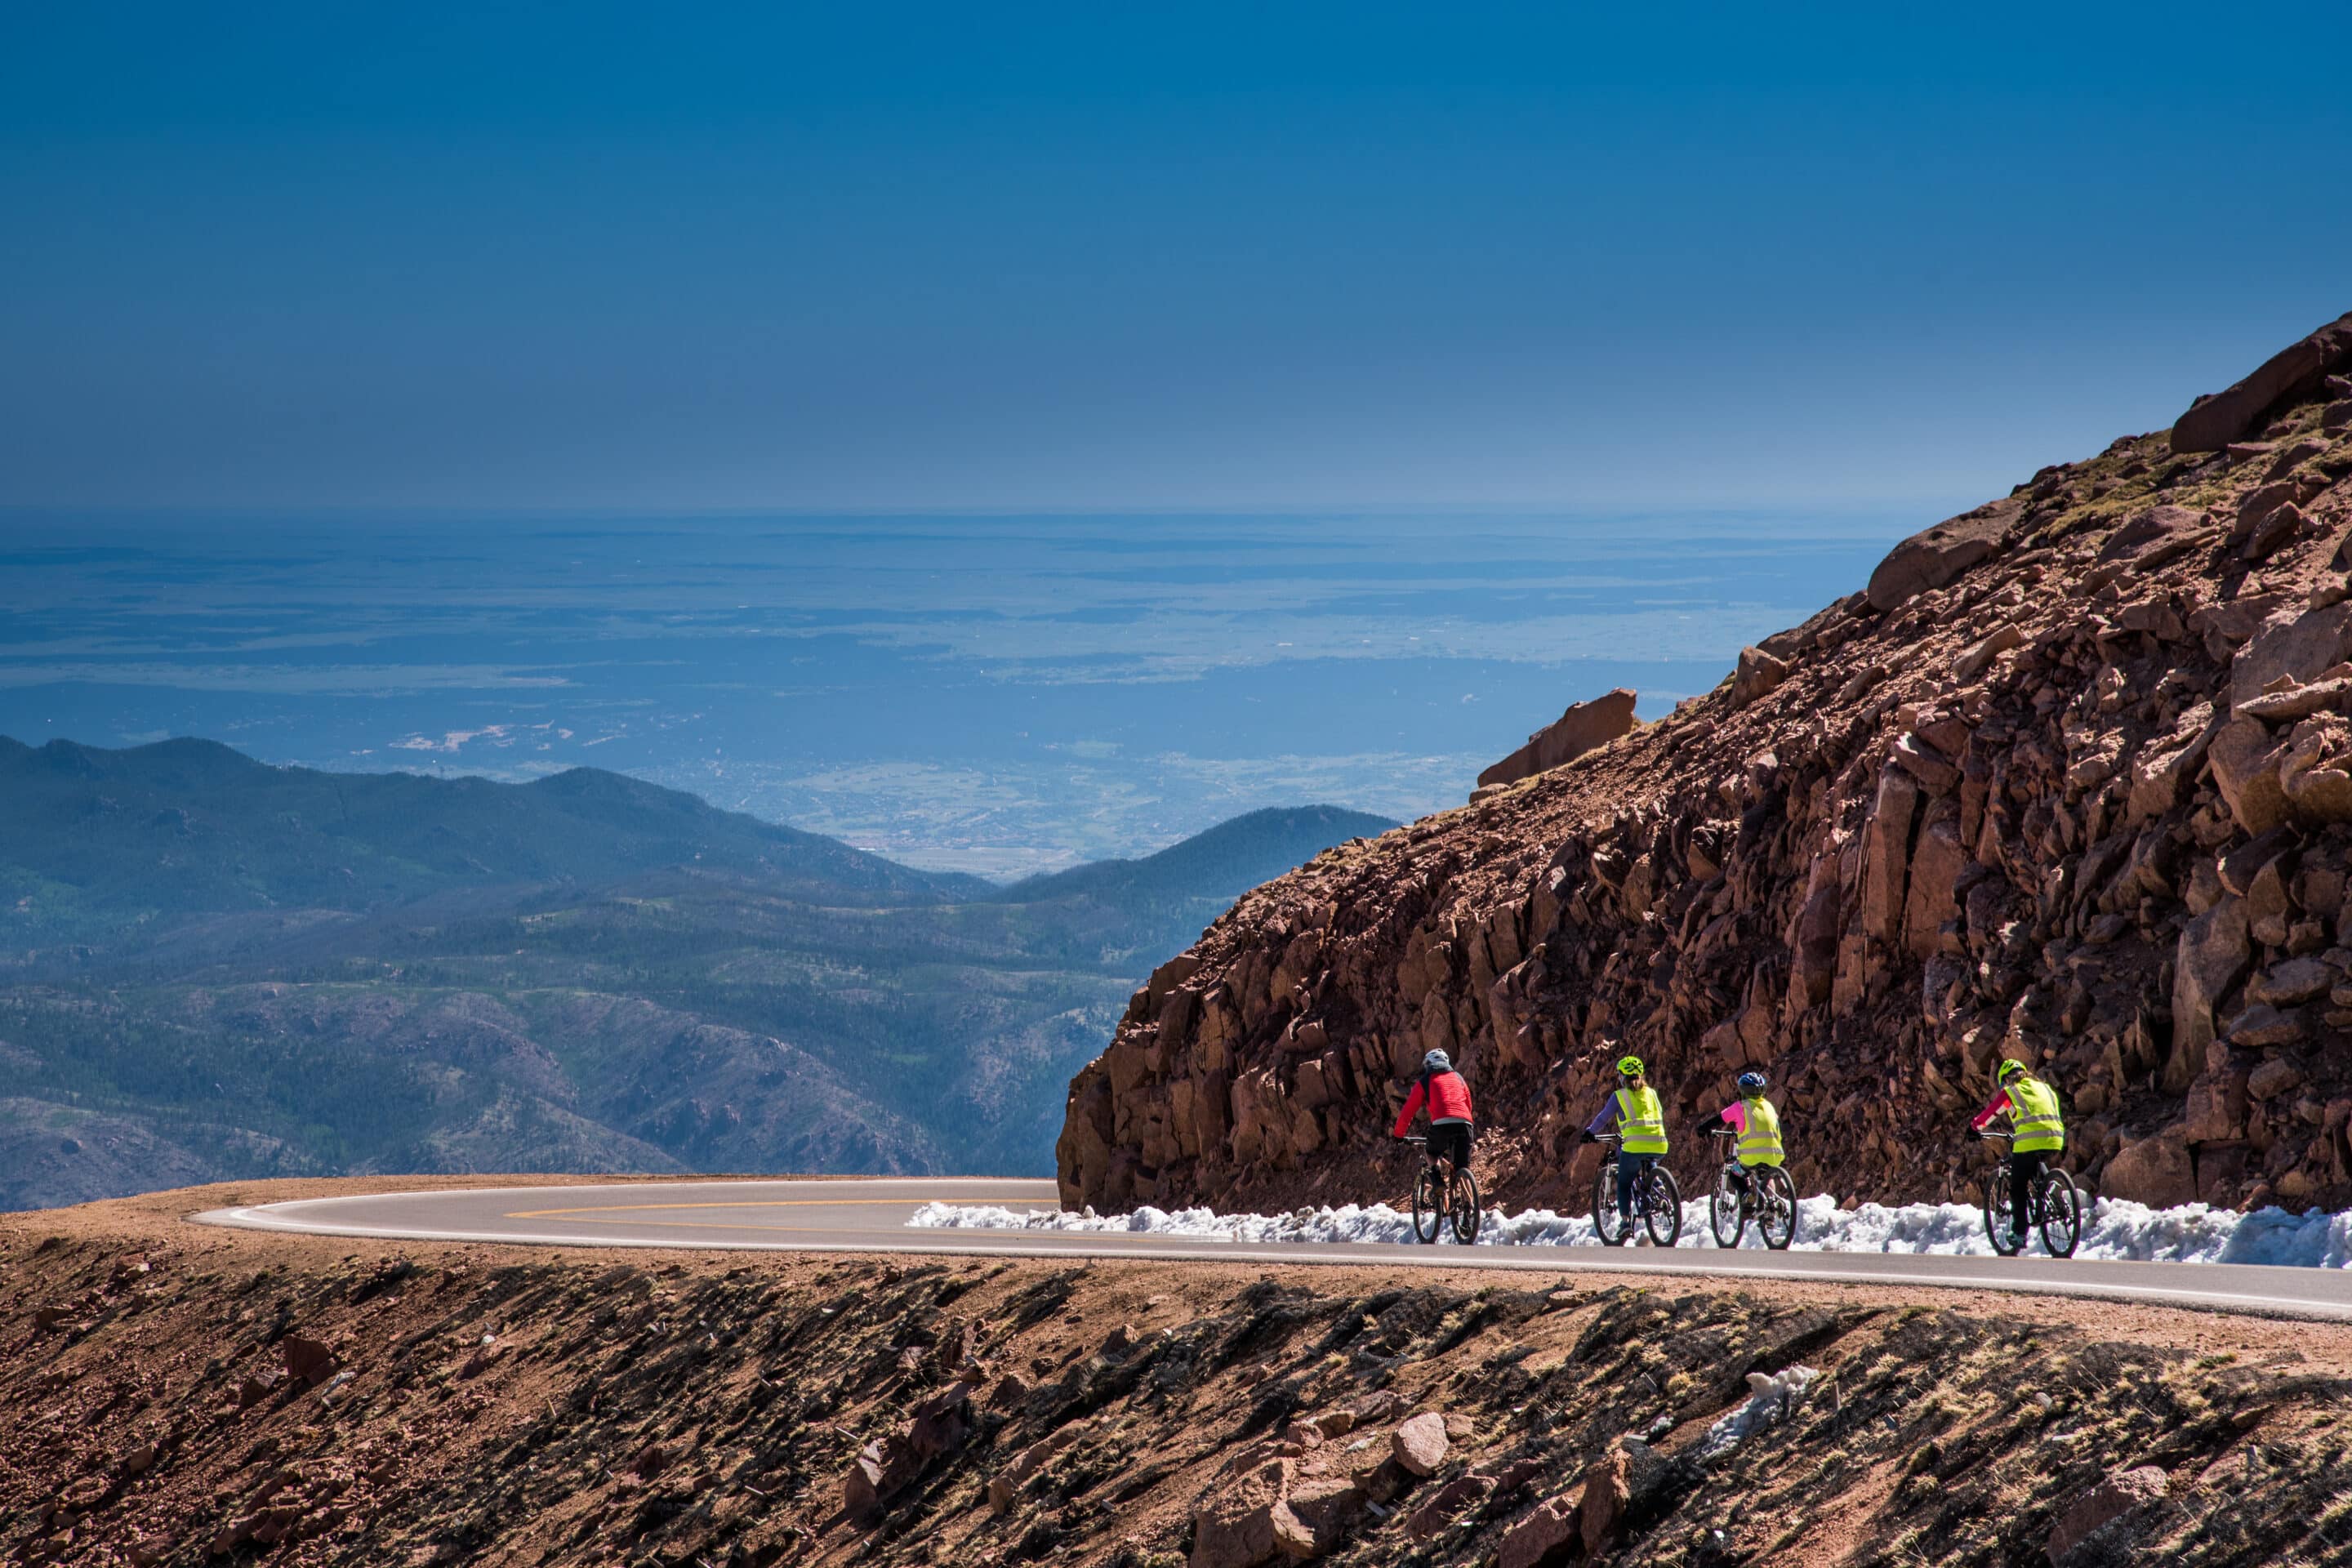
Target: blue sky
[580, 256]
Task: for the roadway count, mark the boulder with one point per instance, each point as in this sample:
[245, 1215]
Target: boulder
[2148, 528]
[1238, 1529]
[1584, 726]
[1756, 674]
[2258, 505]
[1548, 1534]
[2245, 762]
[1168, 976]
[2156, 617]
[2121, 1493]
[2298, 701]
[1978, 657]
[2297, 648]
[2277, 529]
[2214, 953]
[2295, 455]
[861, 1488]
[2242, 868]
[2262, 1025]
[309, 1361]
[1934, 557]
[1445, 1503]
[1923, 762]
[1619, 1492]
[2154, 1171]
[940, 1423]
[2158, 774]
[1419, 1445]
[2316, 768]
[2214, 421]
[1007, 1483]
[2272, 1078]
[1322, 1510]
[2216, 1107]
[2292, 982]
[1937, 865]
[1886, 854]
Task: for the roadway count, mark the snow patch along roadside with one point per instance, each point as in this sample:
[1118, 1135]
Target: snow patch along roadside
[2115, 1229]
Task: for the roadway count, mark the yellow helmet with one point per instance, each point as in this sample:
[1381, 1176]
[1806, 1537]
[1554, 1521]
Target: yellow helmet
[1629, 1067]
[2009, 1069]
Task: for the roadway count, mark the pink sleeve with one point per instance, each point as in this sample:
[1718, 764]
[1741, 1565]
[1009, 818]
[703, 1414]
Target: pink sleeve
[1736, 1114]
[2000, 1103]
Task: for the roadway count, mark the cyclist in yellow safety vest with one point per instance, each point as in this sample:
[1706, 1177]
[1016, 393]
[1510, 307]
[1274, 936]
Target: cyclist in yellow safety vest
[2040, 1129]
[1759, 1126]
[1640, 1132]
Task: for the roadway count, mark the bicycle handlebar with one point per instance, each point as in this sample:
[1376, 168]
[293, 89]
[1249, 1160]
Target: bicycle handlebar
[1409, 1139]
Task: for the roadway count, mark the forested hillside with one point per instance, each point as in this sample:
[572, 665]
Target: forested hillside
[213, 967]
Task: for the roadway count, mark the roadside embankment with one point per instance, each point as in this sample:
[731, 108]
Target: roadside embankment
[177, 1394]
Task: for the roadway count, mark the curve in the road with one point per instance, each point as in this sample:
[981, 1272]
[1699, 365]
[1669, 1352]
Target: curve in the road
[871, 1215]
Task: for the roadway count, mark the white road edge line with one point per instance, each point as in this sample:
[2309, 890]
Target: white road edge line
[260, 1219]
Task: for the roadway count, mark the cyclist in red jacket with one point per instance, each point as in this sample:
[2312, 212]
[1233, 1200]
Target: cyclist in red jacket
[1448, 1099]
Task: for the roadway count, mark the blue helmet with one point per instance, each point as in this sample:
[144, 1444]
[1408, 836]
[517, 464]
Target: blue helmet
[1437, 1061]
[1751, 1082]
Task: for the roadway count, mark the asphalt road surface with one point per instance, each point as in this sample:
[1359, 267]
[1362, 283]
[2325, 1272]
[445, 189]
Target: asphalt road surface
[870, 1216]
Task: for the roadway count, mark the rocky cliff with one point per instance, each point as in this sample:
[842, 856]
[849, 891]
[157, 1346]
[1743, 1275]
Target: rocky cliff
[2070, 780]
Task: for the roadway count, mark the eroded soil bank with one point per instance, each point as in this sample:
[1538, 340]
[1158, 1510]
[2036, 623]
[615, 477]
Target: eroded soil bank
[177, 1394]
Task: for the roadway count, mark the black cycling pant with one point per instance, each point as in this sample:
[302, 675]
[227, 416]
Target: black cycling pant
[1450, 1140]
[2022, 1168]
[1632, 1171]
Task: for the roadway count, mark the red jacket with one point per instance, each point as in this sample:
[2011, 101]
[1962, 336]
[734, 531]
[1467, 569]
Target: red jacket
[1448, 1096]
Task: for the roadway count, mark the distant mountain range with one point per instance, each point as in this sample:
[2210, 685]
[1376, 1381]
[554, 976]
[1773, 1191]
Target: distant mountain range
[213, 968]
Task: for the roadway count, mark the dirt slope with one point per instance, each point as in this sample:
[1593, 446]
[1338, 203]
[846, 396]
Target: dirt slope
[2071, 779]
[186, 1396]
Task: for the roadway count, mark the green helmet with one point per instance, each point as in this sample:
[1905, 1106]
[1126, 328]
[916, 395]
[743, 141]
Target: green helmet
[1628, 1066]
[2009, 1069]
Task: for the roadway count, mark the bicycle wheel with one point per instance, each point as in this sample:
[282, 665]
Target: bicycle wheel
[1723, 1212]
[1776, 1221]
[1662, 1207]
[1465, 1207]
[2061, 1203]
[1428, 1212]
[1996, 1213]
[1610, 1229]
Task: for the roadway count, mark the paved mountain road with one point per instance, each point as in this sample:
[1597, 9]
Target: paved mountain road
[870, 1216]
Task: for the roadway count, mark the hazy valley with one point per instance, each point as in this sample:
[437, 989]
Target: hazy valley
[212, 968]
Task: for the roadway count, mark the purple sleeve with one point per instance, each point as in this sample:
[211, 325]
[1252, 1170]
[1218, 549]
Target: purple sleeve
[1608, 1115]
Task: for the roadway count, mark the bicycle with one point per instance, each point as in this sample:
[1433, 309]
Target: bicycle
[1436, 1200]
[2054, 1207]
[1770, 1199]
[1659, 1200]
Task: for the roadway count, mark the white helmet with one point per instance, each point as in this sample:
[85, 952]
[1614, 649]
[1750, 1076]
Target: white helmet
[1437, 1061]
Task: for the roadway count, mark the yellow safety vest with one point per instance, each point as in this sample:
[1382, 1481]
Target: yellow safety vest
[1641, 1122]
[2033, 1113]
[1760, 1144]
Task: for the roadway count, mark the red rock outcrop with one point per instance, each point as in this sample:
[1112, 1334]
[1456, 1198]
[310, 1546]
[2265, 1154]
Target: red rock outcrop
[1584, 726]
[2072, 782]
